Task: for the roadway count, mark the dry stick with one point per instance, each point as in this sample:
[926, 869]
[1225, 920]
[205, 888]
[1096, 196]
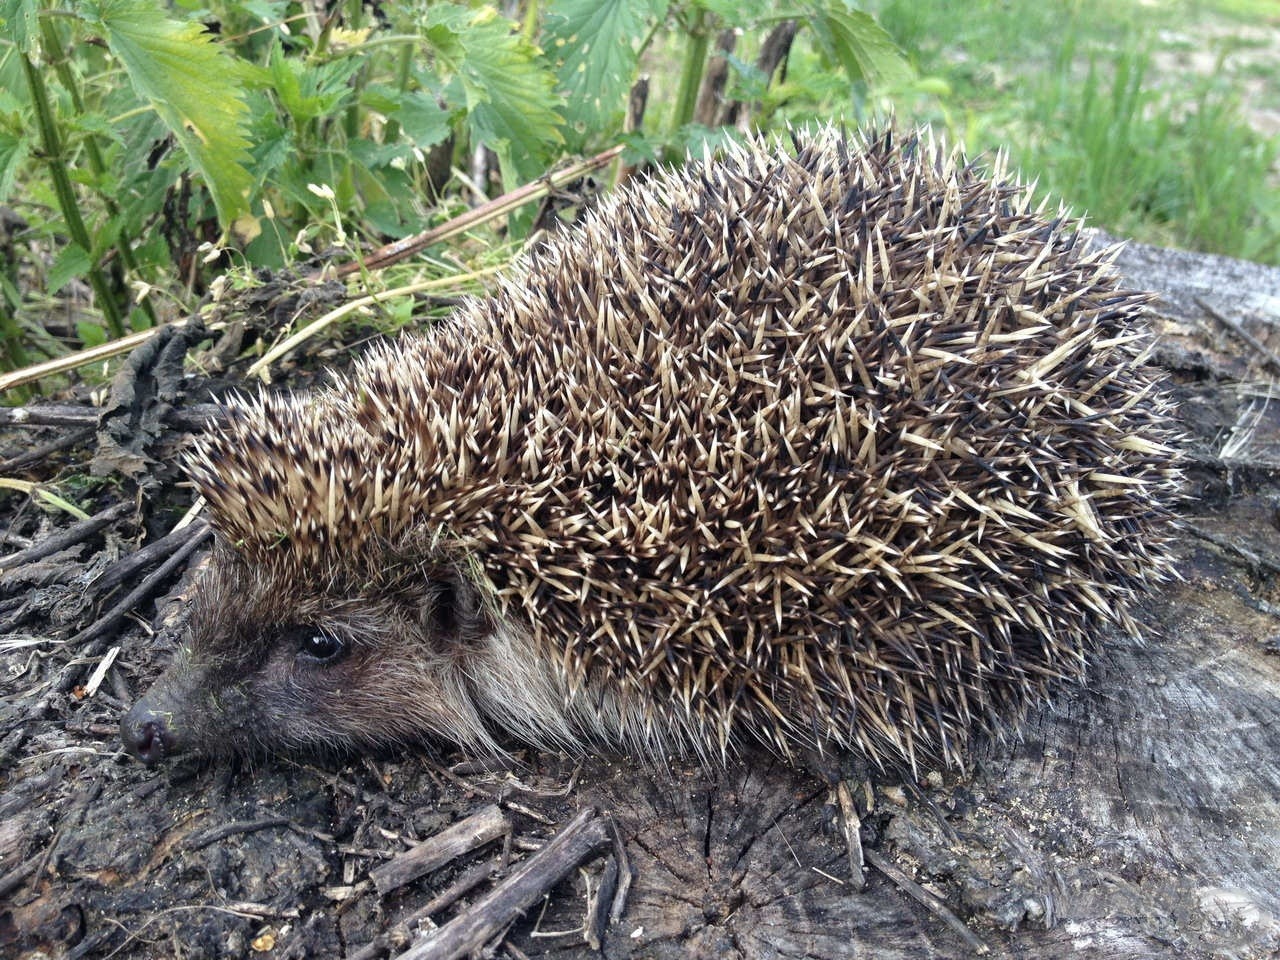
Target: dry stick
[201, 840]
[144, 556]
[193, 417]
[94, 633]
[598, 907]
[46, 450]
[1269, 355]
[18, 875]
[624, 873]
[409, 246]
[466, 882]
[93, 638]
[74, 534]
[931, 903]
[81, 358]
[49, 415]
[480, 828]
[495, 911]
[852, 825]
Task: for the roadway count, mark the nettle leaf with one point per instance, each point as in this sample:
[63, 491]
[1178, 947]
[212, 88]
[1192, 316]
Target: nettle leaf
[422, 119]
[72, 261]
[308, 90]
[13, 152]
[194, 86]
[511, 106]
[859, 44]
[19, 22]
[595, 44]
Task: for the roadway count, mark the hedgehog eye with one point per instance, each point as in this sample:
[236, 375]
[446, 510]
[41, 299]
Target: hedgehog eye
[320, 647]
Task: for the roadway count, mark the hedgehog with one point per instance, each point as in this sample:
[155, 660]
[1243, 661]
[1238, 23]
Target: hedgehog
[831, 446]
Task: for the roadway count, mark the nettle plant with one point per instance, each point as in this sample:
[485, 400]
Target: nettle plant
[132, 137]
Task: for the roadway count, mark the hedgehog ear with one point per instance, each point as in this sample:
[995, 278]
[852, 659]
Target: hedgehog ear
[451, 608]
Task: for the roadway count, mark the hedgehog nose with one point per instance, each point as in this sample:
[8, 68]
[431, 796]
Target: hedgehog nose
[146, 734]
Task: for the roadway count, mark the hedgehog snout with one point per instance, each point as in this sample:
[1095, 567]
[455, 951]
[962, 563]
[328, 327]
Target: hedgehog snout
[158, 725]
[148, 733]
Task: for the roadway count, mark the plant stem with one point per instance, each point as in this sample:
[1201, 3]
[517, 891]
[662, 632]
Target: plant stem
[55, 54]
[56, 161]
[15, 354]
[695, 60]
[530, 26]
[355, 17]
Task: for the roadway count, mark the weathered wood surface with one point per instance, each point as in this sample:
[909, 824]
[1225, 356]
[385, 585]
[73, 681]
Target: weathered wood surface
[1137, 817]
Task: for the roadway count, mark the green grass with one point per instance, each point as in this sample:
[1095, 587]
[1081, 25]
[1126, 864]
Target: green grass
[1104, 113]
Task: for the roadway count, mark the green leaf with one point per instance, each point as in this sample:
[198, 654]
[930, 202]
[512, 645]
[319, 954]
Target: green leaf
[859, 44]
[194, 86]
[13, 151]
[91, 334]
[510, 104]
[422, 119]
[18, 23]
[738, 13]
[595, 44]
[308, 90]
[71, 262]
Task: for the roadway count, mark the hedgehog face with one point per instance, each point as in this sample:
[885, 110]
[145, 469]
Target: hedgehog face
[265, 667]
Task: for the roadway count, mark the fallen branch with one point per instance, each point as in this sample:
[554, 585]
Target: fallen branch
[468, 933]
[462, 837]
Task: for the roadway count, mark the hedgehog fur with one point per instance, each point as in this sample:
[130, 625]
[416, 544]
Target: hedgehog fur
[847, 447]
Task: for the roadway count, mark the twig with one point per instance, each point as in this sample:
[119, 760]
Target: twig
[93, 638]
[201, 840]
[624, 873]
[852, 825]
[144, 556]
[74, 534]
[598, 905]
[107, 621]
[409, 246]
[15, 877]
[49, 415]
[1267, 354]
[82, 358]
[43, 452]
[926, 899]
[470, 931]
[480, 828]
[469, 880]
